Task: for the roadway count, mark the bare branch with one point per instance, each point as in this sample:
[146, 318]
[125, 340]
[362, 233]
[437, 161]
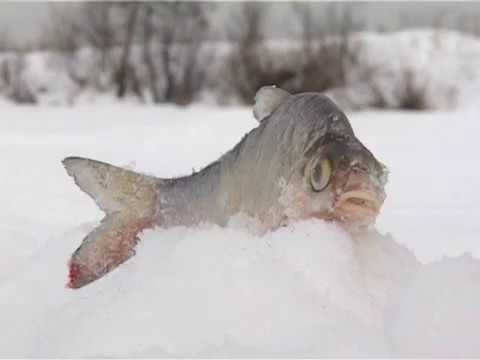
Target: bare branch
[125, 70]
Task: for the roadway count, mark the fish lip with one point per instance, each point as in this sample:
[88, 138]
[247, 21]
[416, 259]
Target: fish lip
[358, 206]
[371, 198]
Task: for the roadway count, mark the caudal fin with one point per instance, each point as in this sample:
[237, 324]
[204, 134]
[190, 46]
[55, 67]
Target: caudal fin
[129, 201]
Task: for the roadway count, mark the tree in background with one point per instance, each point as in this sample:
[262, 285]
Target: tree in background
[150, 46]
[125, 73]
[161, 51]
[317, 62]
[251, 65]
[173, 36]
[327, 48]
[92, 25]
[83, 24]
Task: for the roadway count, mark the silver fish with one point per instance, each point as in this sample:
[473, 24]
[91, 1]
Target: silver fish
[302, 161]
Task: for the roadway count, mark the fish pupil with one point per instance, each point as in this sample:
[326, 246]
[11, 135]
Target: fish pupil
[317, 173]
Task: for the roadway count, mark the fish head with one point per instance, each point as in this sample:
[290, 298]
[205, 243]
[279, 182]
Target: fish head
[338, 179]
[345, 182]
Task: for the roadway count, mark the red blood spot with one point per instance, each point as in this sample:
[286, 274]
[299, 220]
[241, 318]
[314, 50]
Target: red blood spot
[73, 275]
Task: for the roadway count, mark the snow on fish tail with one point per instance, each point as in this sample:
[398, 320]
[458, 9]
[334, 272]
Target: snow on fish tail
[129, 201]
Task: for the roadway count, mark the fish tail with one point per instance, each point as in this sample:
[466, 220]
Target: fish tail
[129, 201]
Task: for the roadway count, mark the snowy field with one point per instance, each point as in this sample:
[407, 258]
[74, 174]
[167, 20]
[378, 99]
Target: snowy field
[412, 289]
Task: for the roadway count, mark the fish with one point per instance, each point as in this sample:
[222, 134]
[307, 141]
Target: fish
[302, 161]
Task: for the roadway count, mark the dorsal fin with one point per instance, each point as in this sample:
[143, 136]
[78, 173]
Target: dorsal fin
[267, 100]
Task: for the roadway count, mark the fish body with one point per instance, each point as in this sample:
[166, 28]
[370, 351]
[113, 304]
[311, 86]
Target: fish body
[302, 161]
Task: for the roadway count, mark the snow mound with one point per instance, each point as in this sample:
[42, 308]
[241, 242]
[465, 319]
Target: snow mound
[437, 315]
[304, 290]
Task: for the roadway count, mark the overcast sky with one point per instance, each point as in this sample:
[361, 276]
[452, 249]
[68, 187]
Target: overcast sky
[24, 20]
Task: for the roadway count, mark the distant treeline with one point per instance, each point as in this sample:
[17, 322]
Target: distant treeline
[163, 52]
[159, 50]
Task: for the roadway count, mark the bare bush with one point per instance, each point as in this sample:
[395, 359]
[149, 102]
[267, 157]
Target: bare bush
[410, 92]
[327, 51]
[103, 27]
[191, 72]
[148, 53]
[125, 75]
[251, 64]
[320, 62]
[156, 50]
[12, 66]
[91, 25]
[60, 32]
[173, 36]
[413, 95]
[13, 83]
[140, 46]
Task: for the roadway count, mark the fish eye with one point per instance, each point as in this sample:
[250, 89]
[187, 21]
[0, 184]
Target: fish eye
[320, 173]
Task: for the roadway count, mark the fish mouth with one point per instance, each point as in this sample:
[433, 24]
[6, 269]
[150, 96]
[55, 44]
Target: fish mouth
[358, 207]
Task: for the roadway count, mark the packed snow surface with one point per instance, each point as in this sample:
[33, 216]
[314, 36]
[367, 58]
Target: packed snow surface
[411, 288]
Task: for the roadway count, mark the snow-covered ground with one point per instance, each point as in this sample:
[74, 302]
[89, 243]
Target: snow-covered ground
[305, 290]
